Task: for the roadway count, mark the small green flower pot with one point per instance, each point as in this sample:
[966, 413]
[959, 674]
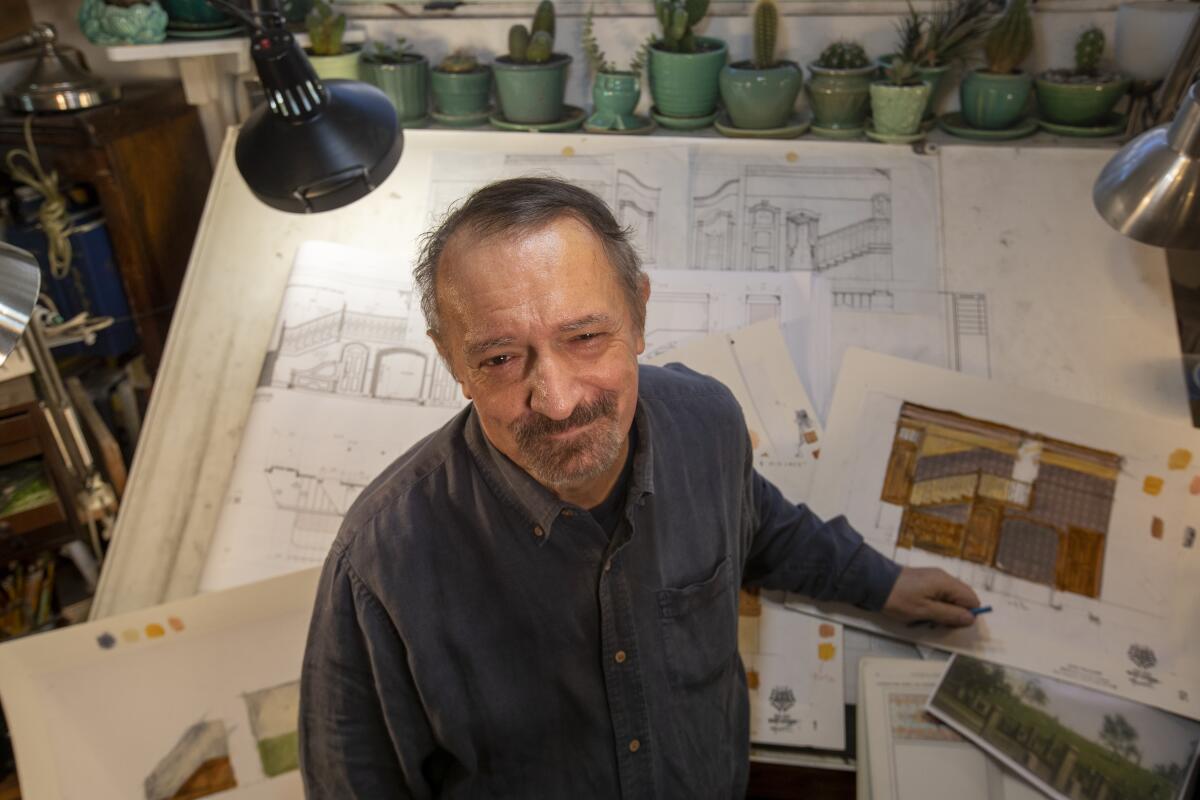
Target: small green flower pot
[406, 84]
[757, 99]
[934, 77]
[195, 11]
[685, 84]
[840, 98]
[459, 94]
[991, 102]
[531, 93]
[344, 66]
[1079, 103]
[898, 110]
[615, 95]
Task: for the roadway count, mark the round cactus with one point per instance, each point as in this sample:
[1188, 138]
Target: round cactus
[1088, 50]
[541, 47]
[843, 55]
[459, 61]
[1010, 39]
[766, 28]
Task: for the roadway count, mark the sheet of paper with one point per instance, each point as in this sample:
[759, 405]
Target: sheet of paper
[1075, 523]
[201, 692]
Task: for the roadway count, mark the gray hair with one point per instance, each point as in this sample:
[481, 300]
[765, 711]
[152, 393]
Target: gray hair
[522, 205]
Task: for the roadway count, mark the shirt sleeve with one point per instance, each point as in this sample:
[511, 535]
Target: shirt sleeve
[363, 731]
[792, 549]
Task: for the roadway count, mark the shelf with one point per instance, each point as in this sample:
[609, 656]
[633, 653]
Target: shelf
[182, 48]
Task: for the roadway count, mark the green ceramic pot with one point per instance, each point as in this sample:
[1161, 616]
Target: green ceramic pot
[195, 11]
[1082, 103]
[840, 98]
[934, 77]
[757, 99]
[141, 23]
[405, 83]
[531, 93]
[615, 95]
[345, 65]
[991, 102]
[898, 110]
[461, 93]
[685, 84]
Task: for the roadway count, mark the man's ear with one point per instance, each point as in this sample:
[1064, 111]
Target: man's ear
[644, 299]
[444, 355]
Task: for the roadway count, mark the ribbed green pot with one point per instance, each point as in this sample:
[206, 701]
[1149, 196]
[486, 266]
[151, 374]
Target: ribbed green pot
[933, 76]
[897, 110]
[757, 99]
[840, 98]
[461, 93]
[1078, 103]
[406, 84]
[685, 84]
[344, 66]
[993, 101]
[614, 96]
[531, 93]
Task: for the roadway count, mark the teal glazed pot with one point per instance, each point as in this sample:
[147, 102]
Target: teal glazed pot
[344, 66]
[1081, 103]
[992, 102]
[614, 96]
[757, 99]
[685, 84]
[840, 98]
[461, 93]
[406, 84]
[195, 11]
[531, 93]
[898, 110]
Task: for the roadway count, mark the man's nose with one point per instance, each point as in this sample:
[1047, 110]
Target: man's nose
[555, 391]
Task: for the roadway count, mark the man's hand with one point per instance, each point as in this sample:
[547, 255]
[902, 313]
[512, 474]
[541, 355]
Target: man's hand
[927, 593]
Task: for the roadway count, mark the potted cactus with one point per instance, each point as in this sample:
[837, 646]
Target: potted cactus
[532, 79]
[615, 91]
[330, 56]
[761, 93]
[460, 89]
[683, 66]
[995, 97]
[403, 76]
[1082, 96]
[898, 102]
[839, 90]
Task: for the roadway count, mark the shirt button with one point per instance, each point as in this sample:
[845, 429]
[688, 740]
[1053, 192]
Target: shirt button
[619, 656]
[538, 532]
[608, 565]
[634, 745]
[566, 512]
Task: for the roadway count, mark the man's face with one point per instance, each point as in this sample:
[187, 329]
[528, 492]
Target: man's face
[539, 334]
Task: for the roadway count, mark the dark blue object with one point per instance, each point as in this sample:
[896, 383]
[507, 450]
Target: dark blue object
[92, 284]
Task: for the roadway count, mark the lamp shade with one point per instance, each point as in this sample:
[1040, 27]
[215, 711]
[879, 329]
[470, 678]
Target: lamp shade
[20, 281]
[1150, 190]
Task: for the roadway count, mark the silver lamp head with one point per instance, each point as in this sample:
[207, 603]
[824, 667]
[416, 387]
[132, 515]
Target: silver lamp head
[20, 281]
[1150, 190]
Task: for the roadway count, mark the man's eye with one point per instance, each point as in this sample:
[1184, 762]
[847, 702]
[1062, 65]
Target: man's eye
[497, 361]
[588, 337]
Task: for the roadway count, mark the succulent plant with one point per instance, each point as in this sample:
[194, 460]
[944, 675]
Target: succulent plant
[843, 55]
[598, 61]
[955, 28]
[901, 71]
[766, 31]
[678, 18]
[533, 45]
[381, 53]
[458, 62]
[1088, 49]
[325, 29]
[912, 36]
[1010, 40]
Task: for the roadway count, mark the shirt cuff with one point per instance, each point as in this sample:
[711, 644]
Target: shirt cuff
[869, 577]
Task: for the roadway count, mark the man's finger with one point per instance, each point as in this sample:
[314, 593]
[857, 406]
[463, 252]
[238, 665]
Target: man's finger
[955, 591]
[951, 615]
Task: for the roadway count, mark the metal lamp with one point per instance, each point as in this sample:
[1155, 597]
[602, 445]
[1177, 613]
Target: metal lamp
[20, 281]
[1150, 190]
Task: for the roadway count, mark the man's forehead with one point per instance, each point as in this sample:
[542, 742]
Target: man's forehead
[482, 335]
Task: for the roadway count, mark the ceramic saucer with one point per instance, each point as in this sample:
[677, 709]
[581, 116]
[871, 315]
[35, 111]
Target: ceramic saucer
[645, 126]
[954, 124]
[836, 133]
[1111, 124]
[205, 33]
[422, 122]
[464, 120]
[573, 117]
[796, 126]
[892, 138]
[682, 123]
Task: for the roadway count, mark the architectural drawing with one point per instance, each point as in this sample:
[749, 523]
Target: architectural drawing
[1028, 505]
[197, 766]
[319, 503]
[274, 720]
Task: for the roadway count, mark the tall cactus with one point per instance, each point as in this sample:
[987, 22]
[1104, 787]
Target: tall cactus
[1010, 40]
[518, 43]
[766, 29]
[543, 18]
[536, 45]
[677, 18]
[1088, 50]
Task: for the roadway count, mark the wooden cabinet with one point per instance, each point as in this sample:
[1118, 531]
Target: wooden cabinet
[146, 157]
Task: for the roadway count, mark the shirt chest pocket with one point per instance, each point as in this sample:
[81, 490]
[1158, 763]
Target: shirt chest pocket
[699, 628]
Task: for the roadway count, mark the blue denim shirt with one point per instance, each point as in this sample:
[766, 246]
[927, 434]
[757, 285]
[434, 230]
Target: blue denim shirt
[475, 636]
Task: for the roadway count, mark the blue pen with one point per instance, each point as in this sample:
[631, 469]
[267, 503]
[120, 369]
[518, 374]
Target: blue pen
[928, 623]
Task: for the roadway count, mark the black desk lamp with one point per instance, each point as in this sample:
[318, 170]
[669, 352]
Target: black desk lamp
[313, 146]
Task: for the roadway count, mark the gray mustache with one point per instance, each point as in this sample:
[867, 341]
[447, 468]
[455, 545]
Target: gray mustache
[536, 426]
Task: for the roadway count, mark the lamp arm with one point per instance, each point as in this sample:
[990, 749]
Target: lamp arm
[1182, 73]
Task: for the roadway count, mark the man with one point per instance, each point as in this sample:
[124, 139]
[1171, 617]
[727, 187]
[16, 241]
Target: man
[540, 599]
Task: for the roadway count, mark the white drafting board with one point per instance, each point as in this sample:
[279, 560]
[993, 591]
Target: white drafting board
[906, 754]
[198, 692]
[1120, 343]
[1077, 524]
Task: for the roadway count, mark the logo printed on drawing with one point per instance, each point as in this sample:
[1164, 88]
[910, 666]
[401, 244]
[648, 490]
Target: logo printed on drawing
[1145, 660]
[782, 698]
